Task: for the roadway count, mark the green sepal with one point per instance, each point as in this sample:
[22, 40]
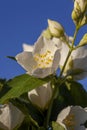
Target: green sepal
[57, 126]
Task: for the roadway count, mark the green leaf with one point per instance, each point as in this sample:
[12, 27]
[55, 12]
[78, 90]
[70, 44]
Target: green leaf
[31, 112]
[78, 93]
[4, 88]
[42, 128]
[57, 126]
[22, 84]
[2, 83]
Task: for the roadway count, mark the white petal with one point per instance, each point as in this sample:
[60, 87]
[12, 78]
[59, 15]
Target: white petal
[64, 52]
[79, 57]
[43, 44]
[10, 117]
[63, 114]
[80, 52]
[80, 64]
[38, 45]
[57, 42]
[80, 114]
[56, 61]
[26, 60]
[41, 96]
[27, 47]
[42, 72]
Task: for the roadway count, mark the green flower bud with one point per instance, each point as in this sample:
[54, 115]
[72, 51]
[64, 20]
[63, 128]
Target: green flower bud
[78, 13]
[80, 5]
[83, 41]
[84, 20]
[55, 28]
[75, 17]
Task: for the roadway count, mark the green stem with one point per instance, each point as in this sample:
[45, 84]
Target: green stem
[75, 34]
[55, 94]
[70, 51]
[50, 107]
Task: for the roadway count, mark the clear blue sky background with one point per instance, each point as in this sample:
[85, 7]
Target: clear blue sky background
[23, 21]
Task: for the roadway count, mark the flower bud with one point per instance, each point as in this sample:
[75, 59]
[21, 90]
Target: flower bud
[55, 28]
[41, 96]
[80, 7]
[75, 17]
[83, 41]
[84, 20]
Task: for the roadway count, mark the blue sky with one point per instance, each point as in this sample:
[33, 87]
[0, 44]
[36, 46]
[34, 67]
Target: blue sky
[22, 21]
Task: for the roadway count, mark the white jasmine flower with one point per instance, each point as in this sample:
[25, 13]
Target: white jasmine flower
[42, 59]
[77, 61]
[73, 118]
[10, 117]
[41, 96]
[79, 57]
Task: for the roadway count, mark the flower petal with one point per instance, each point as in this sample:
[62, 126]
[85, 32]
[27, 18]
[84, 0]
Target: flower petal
[56, 61]
[62, 115]
[27, 47]
[79, 57]
[73, 117]
[26, 60]
[42, 72]
[10, 117]
[41, 96]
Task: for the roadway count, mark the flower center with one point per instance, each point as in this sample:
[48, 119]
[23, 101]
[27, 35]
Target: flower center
[69, 121]
[43, 60]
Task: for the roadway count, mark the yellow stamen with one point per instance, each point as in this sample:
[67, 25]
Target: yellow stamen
[43, 60]
[69, 121]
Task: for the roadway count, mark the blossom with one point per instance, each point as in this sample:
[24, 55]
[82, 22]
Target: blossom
[76, 62]
[42, 59]
[55, 28]
[10, 117]
[73, 118]
[41, 96]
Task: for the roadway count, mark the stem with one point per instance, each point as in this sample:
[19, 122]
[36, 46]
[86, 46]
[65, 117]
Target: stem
[50, 107]
[70, 51]
[75, 34]
[55, 93]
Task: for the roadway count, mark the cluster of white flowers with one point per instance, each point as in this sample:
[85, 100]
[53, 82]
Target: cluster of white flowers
[42, 59]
